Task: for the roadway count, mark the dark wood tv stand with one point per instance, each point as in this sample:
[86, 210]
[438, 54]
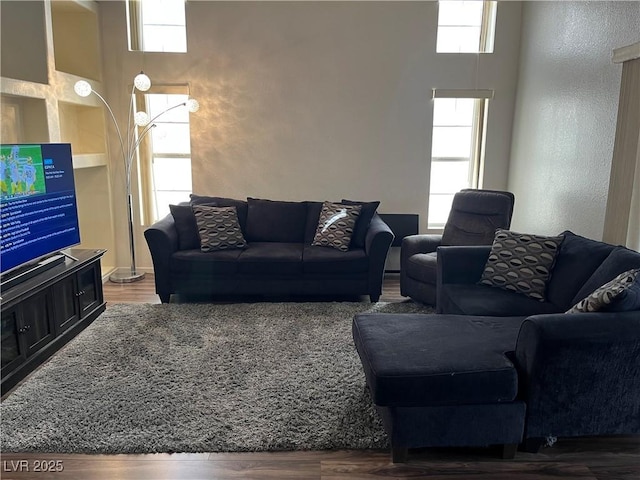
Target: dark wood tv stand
[47, 310]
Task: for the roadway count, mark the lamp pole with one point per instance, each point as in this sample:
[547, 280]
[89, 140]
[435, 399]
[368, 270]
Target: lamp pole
[140, 119]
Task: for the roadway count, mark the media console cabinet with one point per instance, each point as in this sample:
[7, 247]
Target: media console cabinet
[42, 313]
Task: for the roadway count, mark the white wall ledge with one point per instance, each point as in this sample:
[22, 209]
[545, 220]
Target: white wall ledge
[624, 54]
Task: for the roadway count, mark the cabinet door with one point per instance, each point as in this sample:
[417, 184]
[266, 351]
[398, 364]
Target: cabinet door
[65, 298]
[37, 324]
[12, 353]
[90, 289]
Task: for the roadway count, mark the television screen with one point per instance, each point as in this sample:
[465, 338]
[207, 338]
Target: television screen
[37, 202]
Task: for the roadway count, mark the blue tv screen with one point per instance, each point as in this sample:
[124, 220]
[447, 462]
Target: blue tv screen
[37, 202]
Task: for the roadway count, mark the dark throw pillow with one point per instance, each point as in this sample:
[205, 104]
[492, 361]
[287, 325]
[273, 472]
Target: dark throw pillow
[335, 226]
[521, 263]
[622, 294]
[186, 227]
[276, 221]
[241, 206]
[218, 228]
[362, 225]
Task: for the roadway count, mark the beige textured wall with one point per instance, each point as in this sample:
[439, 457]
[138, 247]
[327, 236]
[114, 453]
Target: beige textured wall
[317, 100]
[565, 120]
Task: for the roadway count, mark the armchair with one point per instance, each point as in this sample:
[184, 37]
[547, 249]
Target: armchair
[475, 215]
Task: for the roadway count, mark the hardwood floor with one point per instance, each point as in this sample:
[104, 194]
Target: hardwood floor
[143, 291]
[589, 458]
[584, 459]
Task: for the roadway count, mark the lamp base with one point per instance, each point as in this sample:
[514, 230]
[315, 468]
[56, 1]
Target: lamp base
[125, 275]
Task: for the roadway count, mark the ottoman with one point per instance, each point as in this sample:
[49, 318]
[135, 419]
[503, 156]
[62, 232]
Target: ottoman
[442, 380]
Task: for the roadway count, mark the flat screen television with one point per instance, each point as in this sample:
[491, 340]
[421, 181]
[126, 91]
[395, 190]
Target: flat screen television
[38, 206]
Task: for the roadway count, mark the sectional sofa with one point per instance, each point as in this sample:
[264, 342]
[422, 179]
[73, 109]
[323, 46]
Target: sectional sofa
[497, 367]
[276, 255]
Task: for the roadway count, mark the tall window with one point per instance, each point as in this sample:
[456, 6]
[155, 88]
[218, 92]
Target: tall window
[157, 25]
[456, 149]
[466, 26]
[166, 156]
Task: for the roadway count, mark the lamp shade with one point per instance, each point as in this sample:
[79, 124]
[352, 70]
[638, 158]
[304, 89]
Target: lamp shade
[142, 82]
[193, 105]
[141, 119]
[82, 88]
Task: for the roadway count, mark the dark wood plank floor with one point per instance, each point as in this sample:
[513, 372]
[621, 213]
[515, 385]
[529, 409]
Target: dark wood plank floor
[601, 458]
[143, 291]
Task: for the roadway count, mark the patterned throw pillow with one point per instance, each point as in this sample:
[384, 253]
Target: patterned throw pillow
[335, 226]
[521, 263]
[218, 228]
[626, 284]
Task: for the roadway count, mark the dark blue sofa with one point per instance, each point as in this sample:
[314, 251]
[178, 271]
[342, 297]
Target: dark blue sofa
[495, 367]
[278, 259]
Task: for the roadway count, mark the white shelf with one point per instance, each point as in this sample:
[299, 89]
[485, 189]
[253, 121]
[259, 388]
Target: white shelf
[88, 160]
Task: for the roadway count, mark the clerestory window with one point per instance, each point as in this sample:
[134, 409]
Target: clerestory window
[466, 26]
[157, 25]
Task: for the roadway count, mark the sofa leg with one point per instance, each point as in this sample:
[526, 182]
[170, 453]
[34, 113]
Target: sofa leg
[374, 298]
[399, 454]
[508, 451]
[164, 297]
[532, 445]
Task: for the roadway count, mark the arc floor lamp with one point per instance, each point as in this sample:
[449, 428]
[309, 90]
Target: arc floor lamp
[138, 126]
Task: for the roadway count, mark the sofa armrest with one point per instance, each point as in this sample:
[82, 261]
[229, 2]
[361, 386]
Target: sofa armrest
[376, 244]
[162, 239]
[580, 373]
[461, 264]
[413, 244]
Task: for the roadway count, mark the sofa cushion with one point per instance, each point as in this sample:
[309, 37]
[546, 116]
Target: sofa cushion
[271, 258]
[364, 220]
[521, 263]
[241, 206]
[335, 225]
[470, 299]
[618, 295]
[275, 221]
[423, 267]
[186, 226]
[577, 260]
[196, 262]
[416, 360]
[619, 260]
[332, 261]
[218, 228]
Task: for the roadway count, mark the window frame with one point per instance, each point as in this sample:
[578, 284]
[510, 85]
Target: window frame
[488, 26]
